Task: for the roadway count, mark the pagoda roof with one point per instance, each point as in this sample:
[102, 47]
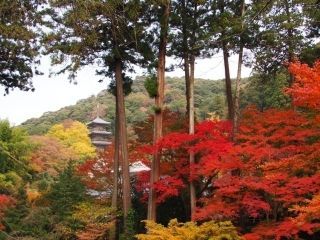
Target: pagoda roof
[98, 121]
[101, 143]
[99, 132]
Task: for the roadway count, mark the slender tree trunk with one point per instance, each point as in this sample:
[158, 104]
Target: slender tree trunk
[191, 131]
[114, 203]
[237, 94]
[123, 145]
[191, 111]
[155, 167]
[226, 69]
[290, 38]
[238, 80]
[186, 55]
[228, 81]
[187, 81]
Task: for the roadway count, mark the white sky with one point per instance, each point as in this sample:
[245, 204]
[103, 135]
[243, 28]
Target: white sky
[56, 92]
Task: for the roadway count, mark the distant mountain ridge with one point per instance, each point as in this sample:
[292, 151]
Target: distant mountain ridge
[209, 97]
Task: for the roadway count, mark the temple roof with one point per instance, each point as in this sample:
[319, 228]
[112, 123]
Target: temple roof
[98, 121]
[99, 132]
[101, 143]
[138, 167]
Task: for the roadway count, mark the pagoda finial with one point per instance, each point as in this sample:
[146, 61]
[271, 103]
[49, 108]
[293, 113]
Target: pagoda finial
[98, 109]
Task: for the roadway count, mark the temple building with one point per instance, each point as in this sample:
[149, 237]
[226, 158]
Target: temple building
[101, 138]
[98, 133]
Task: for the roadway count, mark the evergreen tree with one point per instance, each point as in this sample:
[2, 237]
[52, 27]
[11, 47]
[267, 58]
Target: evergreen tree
[66, 193]
[163, 9]
[14, 149]
[189, 34]
[281, 37]
[19, 43]
[13, 217]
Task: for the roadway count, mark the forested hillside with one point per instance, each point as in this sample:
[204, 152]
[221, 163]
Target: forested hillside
[209, 97]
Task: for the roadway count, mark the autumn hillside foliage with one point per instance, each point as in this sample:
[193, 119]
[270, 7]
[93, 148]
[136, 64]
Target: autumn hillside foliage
[267, 181]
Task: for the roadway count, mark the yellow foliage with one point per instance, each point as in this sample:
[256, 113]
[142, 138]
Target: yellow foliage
[50, 155]
[96, 218]
[75, 136]
[32, 195]
[90, 213]
[189, 231]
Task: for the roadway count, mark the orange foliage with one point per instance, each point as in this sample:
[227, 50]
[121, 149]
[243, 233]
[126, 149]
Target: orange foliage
[32, 195]
[306, 88]
[50, 155]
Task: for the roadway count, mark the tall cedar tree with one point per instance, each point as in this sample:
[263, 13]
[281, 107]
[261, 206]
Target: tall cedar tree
[222, 11]
[189, 31]
[238, 79]
[19, 43]
[281, 34]
[107, 34]
[159, 100]
[66, 193]
[233, 30]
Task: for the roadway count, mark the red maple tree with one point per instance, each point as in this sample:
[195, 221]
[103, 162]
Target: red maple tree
[267, 181]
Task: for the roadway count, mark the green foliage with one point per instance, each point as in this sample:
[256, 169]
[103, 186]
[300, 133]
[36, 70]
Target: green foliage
[310, 54]
[19, 43]
[156, 109]
[190, 231]
[266, 92]
[281, 33]
[138, 104]
[127, 84]
[131, 226]
[151, 85]
[92, 212]
[39, 223]
[10, 182]
[14, 216]
[14, 149]
[66, 193]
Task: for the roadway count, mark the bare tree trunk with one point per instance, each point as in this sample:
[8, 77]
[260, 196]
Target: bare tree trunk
[226, 69]
[187, 81]
[123, 145]
[238, 80]
[191, 131]
[155, 168]
[228, 81]
[191, 114]
[114, 203]
[186, 55]
[290, 38]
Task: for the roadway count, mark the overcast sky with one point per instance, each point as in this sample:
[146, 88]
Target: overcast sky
[53, 93]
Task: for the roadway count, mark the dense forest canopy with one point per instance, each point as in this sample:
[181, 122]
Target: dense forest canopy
[209, 99]
[226, 159]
